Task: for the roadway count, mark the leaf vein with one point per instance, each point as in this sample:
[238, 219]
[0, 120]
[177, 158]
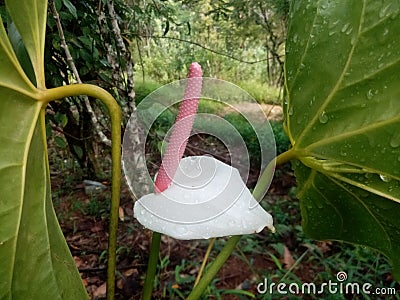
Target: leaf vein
[338, 82]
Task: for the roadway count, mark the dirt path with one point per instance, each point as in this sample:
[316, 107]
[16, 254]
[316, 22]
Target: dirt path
[273, 112]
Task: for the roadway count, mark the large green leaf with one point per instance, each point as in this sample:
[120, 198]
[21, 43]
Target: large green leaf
[35, 260]
[29, 17]
[342, 114]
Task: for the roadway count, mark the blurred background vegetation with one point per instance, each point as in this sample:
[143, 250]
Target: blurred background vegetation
[132, 47]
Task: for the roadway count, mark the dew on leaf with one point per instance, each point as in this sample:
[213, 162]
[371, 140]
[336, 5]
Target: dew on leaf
[385, 31]
[345, 27]
[385, 11]
[323, 118]
[291, 111]
[395, 141]
[385, 178]
[370, 94]
[348, 31]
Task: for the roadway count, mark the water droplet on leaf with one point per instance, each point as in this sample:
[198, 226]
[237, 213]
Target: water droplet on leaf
[323, 118]
[385, 178]
[385, 31]
[385, 11]
[345, 27]
[395, 141]
[370, 94]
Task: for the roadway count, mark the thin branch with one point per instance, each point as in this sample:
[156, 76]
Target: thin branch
[208, 49]
[70, 61]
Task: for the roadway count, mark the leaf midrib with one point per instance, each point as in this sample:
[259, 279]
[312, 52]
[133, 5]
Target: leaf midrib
[362, 186]
[354, 196]
[22, 192]
[346, 135]
[336, 86]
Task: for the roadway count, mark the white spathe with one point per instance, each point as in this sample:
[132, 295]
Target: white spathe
[206, 199]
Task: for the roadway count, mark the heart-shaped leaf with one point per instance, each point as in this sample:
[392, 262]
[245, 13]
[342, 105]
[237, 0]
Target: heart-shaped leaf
[342, 114]
[35, 260]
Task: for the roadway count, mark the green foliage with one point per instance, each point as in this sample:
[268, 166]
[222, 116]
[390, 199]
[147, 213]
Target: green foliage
[238, 41]
[263, 93]
[27, 217]
[342, 117]
[143, 89]
[36, 262]
[249, 136]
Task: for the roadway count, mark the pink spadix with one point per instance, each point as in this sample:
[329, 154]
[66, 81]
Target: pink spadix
[181, 130]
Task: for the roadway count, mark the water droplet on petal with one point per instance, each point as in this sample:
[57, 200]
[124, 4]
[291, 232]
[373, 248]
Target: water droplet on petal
[323, 118]
[182, 230]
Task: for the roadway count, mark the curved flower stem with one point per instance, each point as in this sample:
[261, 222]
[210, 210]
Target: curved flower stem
[151, 266]
[266, 177]
[203, 264]
[230, 245]
[115, 114]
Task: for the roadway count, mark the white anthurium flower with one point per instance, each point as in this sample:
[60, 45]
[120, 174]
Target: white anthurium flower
[206, 198]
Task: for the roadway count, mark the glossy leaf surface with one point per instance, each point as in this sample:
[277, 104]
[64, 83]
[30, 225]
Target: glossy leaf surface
[342, 114]
[35, 259]
[29, 17]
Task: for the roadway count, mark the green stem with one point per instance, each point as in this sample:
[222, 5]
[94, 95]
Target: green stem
[230, 244]
[115, 114]
[152, 266]
[203, 264]
[214, 267]
[266, 177]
